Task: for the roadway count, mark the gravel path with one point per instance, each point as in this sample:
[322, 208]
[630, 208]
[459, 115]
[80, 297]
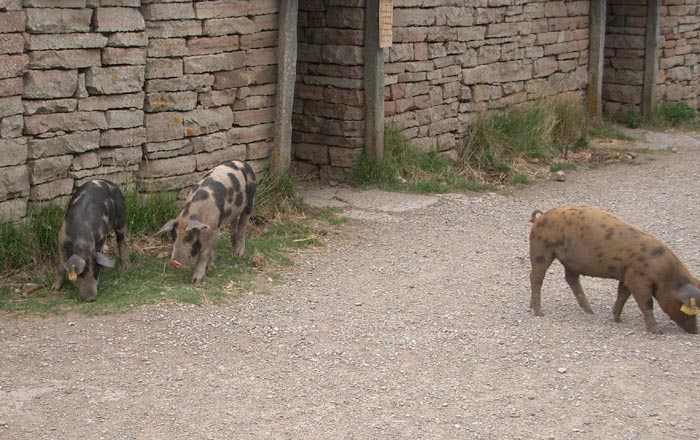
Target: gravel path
[414, 325]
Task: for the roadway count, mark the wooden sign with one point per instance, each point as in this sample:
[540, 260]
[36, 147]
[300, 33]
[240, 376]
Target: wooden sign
[386, 22]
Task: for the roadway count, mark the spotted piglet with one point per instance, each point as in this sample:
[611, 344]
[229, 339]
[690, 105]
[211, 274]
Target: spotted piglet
[224, 196]
[95, 209]
[595, 243]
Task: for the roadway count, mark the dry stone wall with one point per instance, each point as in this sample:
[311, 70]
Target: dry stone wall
[454, 58]
[679, 58]
[147, 91]
[328, 116]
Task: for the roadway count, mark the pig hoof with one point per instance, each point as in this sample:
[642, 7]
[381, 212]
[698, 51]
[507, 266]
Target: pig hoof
[537, 313]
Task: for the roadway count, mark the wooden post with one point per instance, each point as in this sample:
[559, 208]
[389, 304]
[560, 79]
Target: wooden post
[651, 57]
[374, 83]
[281, 158]
[596, 56]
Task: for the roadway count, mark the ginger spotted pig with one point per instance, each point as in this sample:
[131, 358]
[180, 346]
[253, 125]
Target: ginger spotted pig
[591, 242]
[224, 196]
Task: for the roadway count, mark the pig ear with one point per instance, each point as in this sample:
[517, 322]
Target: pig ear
[196, 224]
[104, 260]
[76, 261]
[166, 228]
[688, 292]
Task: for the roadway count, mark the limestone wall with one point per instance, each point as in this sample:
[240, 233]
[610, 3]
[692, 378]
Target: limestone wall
[151, 91]
[329, 96]
[679, 58]
[452, 59]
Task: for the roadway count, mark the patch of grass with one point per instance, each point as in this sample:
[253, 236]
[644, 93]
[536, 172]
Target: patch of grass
[332, 216]
[519, 179]
[542, 130]
[561, 166]
[407, 168]
[676, 113]
[606, 130]
[278, 226]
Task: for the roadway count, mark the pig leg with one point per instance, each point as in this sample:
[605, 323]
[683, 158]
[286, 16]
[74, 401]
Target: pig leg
[574, 281]
[61, 272]
[238, 231]
[645, 301]
[123, 248]
[622, 294]
[205, 256]
[540, 264]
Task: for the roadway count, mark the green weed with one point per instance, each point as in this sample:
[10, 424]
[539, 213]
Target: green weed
[560, 166]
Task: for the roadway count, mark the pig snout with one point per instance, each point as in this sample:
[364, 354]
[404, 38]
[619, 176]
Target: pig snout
[175, 264]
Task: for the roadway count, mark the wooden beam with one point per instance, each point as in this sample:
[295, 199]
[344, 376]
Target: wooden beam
[281, 158]
[596, 57]
[374, 83]
[651, 57]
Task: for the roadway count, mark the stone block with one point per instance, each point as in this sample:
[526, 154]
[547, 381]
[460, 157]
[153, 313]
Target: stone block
[228, 26]
[166, 126]
[121, 3]
[269, 39]
[12, 21]
[169, 183]
[46, 170]
[124, 118]
[108, 19]
[208, 143]
[14, 182]
[64, 59]
[248, 76]
[164, 150]
[51, 190]
[85, 161]
[64, 122]
[114, 80]
[317, 154]
[166, 47]
[163, 68]
[212, 45]
[167, 167]
[168, 11]
[128, 137]
[66, 41]
[50, 84]
[13, 65]
[13, 151]
[120, 55]
[170, 101]
[219, 9]
[14, 209]
[217, 98]
[10, 106]
[197, 83]
[120, 157]
[247, 118]
[205, 121]
[262, 57]
[254, 102]
[78, 142]
[545, 66]
[55, 3]
[107, 102]
[174, 28]
[259, 150]
[11, 5]
[128, 39]
[11, 43]
[214, 63]
[11, 86]
[344, 157]
[58, 21]
[253, 133]
[207, 161]
[11, 127]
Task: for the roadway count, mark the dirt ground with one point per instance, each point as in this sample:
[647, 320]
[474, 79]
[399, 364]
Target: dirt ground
[411, 324]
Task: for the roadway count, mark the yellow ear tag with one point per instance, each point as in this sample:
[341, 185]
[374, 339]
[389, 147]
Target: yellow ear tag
[72, 276]
[692, 309]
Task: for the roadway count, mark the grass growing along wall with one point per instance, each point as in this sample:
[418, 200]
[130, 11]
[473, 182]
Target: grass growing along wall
[541, 130]
[407, 168]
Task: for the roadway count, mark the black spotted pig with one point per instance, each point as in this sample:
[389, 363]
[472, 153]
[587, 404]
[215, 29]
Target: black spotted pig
[591, 242]
[223, 196]
[95, 209]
